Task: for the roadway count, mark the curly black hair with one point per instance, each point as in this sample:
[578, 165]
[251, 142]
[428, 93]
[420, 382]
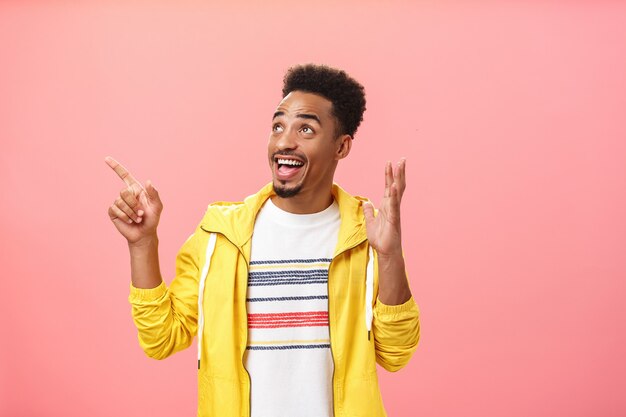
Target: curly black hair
[346, 94]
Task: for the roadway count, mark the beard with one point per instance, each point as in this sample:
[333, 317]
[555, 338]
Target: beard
[284, 192]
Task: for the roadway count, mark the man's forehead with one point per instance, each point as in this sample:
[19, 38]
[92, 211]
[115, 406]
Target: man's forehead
[304, 102]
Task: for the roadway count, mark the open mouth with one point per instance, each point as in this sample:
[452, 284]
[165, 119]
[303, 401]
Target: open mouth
[287, 167]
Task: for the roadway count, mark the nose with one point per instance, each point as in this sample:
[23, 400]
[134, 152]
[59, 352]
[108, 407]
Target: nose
[287, 140]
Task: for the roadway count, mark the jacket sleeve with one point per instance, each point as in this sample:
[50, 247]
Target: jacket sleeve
[166, 318]
[396, 331]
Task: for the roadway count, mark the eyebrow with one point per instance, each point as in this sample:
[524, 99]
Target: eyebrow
[300, 115]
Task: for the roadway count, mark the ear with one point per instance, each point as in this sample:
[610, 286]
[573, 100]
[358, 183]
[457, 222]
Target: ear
[344, 144]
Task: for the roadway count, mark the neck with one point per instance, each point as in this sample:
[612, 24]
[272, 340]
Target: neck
[305, 203]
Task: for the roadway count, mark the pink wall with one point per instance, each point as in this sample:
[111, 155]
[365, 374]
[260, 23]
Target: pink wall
[512, 117]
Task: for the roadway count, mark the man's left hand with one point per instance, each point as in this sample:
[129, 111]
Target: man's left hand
[383, 230]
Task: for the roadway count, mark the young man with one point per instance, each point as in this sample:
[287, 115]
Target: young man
[296, 292]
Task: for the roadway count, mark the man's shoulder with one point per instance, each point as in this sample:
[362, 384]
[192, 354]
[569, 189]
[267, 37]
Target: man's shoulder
[225, 207]
[221, 211]
[349, 203]
[226, 216]
[252, 202]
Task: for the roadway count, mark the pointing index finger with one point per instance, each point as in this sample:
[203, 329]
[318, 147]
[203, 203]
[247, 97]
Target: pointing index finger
[121, 171]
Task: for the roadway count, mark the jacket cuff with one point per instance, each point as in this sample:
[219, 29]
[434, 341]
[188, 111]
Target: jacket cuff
[393, 310]
[141, 295]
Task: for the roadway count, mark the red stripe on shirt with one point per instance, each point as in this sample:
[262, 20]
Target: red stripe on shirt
[294, 319]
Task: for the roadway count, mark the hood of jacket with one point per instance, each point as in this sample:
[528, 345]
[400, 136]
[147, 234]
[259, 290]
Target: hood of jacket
[235, 220]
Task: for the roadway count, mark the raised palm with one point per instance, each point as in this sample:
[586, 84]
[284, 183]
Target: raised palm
[383, 229]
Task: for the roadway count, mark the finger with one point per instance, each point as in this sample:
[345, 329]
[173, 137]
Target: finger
[394, 203]
[115, 214]
[129, 196]
[152, 192]
[140, 195]
[119, 203]
[388, 178]
[121, 171]
[368, 212]
[401, 178]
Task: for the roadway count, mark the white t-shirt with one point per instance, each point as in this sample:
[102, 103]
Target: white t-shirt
[288, 353]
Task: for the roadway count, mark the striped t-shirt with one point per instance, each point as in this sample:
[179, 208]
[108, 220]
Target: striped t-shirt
[288, 354]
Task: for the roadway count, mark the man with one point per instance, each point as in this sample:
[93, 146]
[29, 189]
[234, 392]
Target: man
[296, 292]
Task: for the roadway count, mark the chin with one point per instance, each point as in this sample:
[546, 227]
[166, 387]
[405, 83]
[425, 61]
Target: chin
[286, 192]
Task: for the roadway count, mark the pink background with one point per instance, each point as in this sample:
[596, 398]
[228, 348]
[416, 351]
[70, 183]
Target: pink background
[512, 117]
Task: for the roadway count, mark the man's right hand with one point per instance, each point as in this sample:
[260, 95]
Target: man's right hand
[136, 212]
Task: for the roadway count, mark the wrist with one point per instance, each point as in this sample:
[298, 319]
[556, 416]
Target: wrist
[391, 258]
[144, 243]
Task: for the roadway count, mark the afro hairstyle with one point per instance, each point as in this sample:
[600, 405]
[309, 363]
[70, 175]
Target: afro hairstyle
[346, 94]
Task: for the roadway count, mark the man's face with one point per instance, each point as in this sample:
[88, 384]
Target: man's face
[302, 148]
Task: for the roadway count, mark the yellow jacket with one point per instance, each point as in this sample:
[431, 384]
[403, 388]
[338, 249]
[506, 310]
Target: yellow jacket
[214, 261]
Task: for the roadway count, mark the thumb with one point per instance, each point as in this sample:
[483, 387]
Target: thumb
[152, 192]
[368, 212]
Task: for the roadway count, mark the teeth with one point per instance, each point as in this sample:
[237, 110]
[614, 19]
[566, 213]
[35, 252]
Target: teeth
[289, 162]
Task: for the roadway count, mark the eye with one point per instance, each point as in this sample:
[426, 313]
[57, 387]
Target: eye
[307, 130]
[277, 128]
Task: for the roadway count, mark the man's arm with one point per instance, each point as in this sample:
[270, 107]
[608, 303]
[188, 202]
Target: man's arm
[144, 263]
[396, 315]
[166, 323]
[384, 235]
[393, 286]
[135, 214]
[167, 318]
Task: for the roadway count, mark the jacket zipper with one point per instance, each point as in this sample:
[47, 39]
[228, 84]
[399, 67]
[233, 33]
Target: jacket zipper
[246, 342]
[329, 326]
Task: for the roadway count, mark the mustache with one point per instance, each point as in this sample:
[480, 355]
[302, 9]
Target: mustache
[289, 153]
